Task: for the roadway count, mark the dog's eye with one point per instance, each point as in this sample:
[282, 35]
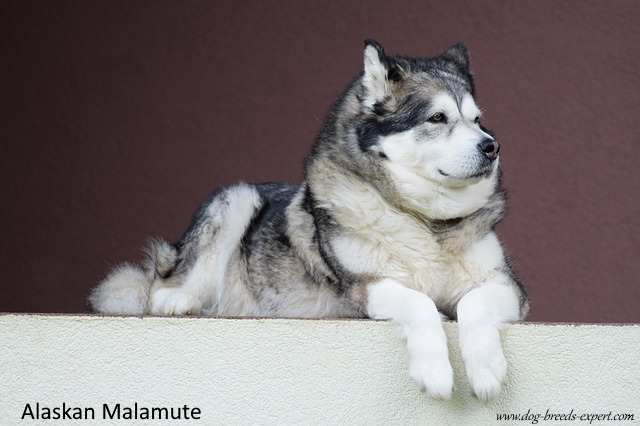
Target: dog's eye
[437, 118]
[477, 120]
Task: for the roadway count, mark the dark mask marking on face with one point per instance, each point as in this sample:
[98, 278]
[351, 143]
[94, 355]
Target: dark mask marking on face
[411, 113]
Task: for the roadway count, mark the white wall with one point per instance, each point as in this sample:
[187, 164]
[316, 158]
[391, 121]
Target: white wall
[241, 371]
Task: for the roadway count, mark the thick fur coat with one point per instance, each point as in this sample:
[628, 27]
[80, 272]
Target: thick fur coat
[394, 220]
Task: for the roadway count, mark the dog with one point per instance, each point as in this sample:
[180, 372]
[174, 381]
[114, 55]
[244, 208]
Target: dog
[394, 220]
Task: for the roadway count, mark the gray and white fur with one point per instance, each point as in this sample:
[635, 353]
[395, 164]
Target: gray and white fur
[394, 220]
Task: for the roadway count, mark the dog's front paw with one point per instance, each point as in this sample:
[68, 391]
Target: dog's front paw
[486, 380]
[435, 377]
[429, 362]
[173, 301]
[485, 363]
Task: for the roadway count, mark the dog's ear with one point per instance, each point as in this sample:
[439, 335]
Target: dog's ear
[458, 54]
[380, 73]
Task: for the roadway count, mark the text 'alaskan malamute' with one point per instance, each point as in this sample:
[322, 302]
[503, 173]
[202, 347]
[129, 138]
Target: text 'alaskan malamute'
[394, 220]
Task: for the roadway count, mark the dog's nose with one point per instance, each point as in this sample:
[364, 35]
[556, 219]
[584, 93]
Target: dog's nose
[489, 148]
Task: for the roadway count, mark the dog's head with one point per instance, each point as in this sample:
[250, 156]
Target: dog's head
[418, 121]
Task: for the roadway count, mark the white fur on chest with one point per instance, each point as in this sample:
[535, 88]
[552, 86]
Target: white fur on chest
[378, 240]
[413, 258]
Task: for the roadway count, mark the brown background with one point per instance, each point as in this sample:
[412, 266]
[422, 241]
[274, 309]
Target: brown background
[119, 117]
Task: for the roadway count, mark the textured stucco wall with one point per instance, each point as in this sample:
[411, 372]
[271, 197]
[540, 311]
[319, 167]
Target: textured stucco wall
[295, 371]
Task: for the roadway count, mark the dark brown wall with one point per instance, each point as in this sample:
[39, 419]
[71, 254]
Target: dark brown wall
[119, 117]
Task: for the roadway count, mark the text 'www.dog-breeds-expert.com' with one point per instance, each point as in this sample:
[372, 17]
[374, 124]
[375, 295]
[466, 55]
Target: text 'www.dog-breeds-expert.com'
[573, 415]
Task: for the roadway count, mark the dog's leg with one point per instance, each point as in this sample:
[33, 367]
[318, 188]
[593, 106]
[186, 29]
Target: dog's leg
[194, 291]
[182, 299]
[480, 314]
[223, 224]
[426, 342]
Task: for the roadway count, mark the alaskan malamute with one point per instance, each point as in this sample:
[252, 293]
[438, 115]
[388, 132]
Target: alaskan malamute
[394, 220]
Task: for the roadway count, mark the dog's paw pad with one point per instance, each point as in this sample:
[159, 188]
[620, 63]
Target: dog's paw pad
[173, 301]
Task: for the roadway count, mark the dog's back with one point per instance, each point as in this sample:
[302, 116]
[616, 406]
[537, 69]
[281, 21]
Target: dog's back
[246, 253]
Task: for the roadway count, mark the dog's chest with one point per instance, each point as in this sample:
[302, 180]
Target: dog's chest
[403, 249]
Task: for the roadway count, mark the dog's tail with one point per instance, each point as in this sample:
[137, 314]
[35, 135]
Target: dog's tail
[125, 291]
